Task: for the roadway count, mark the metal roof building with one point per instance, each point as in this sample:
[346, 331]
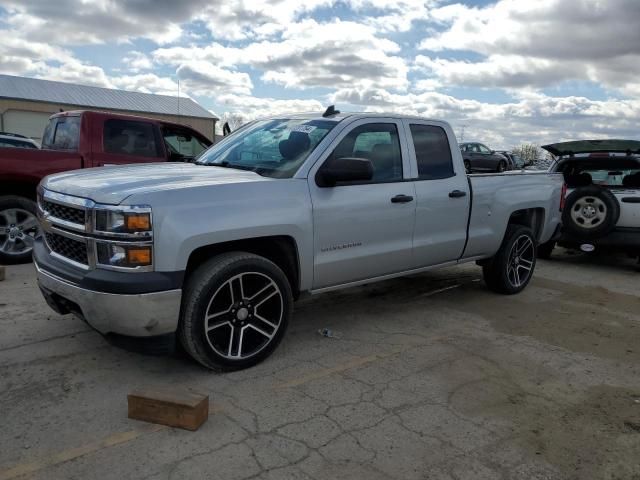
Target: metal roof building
[26, 103]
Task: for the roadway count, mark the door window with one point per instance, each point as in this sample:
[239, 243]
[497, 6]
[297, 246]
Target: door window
[433, 153]
[484, 149]
[378, 143]
[126, 137]
[183, 144]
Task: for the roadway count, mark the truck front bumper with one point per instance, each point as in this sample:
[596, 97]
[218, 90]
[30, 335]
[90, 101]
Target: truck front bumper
[136, 314]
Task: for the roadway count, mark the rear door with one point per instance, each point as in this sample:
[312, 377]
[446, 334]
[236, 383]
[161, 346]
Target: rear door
[128, 141]
[442, 194]
[364, 230]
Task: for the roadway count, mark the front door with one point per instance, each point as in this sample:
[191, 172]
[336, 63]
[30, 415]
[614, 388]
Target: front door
[365, 230]
[442, 194]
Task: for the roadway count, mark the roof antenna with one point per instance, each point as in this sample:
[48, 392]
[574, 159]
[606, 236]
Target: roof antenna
[331, 110]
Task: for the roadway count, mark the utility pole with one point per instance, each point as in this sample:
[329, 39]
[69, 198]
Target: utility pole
[462, 127]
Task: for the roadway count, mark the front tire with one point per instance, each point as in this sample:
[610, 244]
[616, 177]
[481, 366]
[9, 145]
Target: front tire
[236, 309]
[502, 166]
[511, 269]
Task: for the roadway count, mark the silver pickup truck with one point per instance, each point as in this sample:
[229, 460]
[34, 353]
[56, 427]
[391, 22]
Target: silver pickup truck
[216, 252]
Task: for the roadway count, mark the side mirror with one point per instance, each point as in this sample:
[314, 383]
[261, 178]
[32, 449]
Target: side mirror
[345, 169]
[493, 152]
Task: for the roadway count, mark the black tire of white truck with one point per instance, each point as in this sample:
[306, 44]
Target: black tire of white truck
[512, 267]
[234, 301]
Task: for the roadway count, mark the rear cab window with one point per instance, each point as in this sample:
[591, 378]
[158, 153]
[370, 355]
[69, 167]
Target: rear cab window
[62, 133]
[130, 137]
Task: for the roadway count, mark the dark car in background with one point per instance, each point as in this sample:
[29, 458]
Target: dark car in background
[480, 158]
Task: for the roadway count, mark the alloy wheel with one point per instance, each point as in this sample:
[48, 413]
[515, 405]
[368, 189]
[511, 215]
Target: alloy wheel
[18, 231]
[243, 315]
[520, 263]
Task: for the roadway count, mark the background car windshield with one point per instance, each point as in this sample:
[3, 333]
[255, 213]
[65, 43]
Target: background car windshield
[272, 148]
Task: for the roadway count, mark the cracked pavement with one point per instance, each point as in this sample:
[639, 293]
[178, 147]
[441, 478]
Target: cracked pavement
[424, 382]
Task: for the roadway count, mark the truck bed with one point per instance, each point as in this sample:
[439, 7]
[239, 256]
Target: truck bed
[495, 195]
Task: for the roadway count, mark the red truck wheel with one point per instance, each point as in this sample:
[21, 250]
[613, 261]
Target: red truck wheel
[18, 229]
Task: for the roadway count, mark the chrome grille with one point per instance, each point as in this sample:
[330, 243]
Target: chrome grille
[64, 212]
[67, 247]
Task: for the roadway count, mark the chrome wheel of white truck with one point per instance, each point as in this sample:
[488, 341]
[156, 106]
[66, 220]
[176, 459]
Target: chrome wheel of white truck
[236, 310]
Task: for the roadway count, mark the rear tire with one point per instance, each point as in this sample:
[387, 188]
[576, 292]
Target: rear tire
[18, 229]
[590, 212]
[511, 269]
[467, 166]
[235, 310]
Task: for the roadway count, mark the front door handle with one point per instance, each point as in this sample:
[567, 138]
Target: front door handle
[457, 194]
[401, 199]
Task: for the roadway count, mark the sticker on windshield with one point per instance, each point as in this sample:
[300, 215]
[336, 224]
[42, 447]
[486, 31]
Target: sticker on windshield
[304, 129]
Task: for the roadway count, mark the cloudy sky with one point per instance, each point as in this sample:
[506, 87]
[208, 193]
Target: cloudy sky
[505, 72]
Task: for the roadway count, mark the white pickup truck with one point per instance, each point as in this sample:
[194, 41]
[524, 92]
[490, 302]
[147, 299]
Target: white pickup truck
[217, 251]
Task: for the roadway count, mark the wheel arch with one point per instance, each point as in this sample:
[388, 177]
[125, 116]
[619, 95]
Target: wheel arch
[18, 188]
[281, 250]
[529, 217]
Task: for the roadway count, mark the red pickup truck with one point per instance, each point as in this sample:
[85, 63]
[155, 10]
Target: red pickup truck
[80, 139]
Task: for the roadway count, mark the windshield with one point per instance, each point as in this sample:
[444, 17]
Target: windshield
[272, 148]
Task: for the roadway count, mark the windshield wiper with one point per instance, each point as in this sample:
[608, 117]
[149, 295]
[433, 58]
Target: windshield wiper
[237, 166]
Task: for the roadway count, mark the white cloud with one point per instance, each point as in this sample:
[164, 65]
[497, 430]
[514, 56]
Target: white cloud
[208, 79]
[137, 61]
[539, 44]
[533, 117]
[309, 54]
[250, 107]
[72, 22]
[147, 83]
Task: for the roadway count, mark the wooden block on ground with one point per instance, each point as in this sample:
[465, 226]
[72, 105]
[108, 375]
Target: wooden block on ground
[173, 408]
[2, 272]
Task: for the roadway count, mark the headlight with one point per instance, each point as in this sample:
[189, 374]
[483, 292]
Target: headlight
[124, 255]
[122, 221]
[123, 237]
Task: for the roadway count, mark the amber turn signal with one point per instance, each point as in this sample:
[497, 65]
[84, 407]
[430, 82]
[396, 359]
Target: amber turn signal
[139, 256]
[136, 222]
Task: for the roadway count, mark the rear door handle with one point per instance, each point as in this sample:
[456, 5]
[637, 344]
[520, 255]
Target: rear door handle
[457, 194]
[402, 199]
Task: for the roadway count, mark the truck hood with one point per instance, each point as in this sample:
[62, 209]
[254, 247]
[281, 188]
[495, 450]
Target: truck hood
[112, 185]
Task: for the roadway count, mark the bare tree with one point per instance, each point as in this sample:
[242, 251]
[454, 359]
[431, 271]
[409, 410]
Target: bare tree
[234, 119]
[529, 152]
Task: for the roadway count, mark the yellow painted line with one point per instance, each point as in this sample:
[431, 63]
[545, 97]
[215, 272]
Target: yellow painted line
[325, 372]
[73, 453]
